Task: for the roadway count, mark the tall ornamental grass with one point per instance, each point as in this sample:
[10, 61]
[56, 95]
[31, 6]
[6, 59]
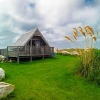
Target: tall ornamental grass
[89, 58]
[95, 73]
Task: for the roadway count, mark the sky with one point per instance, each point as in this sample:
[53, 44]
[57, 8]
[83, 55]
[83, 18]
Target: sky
[54, 18]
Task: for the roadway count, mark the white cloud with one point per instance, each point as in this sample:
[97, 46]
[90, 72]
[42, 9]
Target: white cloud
[2, 37]
[56, 12]
[88, 15]
[55, 18]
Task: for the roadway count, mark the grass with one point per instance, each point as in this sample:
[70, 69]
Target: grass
[89, 66]
[49, 79]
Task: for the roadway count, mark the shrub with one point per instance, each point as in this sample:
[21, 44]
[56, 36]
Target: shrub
[95, 73]
[2, 58]
[90, 65]
[89, 58]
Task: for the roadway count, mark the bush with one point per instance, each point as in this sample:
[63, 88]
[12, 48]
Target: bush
[2, 58]
[95, 73]
[96, 59]
[86, 60]
[90, 65]
[95, 76]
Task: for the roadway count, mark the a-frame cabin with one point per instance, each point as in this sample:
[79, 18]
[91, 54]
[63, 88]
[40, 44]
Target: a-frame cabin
[30, 45]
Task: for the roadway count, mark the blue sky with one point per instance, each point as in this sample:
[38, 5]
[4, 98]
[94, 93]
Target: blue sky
[54, 18]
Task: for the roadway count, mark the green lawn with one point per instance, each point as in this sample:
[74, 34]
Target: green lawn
[49, 79]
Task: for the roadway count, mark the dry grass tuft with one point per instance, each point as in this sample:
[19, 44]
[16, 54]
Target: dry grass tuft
[68, 38]
[87, 56]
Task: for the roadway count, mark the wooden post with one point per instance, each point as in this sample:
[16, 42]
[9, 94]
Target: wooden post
[7, 54]
[18, 56]
[31, 50]
[31, 47]
[43, 52]
[31, 58]
[18, 59]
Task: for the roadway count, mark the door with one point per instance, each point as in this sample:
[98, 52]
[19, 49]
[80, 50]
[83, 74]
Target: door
[37, 43]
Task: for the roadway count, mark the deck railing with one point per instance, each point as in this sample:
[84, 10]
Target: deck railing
[15, 51]
[3, 52]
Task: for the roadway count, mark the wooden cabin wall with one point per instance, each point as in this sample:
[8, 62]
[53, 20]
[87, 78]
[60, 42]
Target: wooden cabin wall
[36, 38]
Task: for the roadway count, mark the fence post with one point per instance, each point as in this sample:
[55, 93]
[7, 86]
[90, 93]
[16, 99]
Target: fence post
[18, 59]
[31, 47]
[31, 52]
[7, 54]
[18, 56]
[43, 52]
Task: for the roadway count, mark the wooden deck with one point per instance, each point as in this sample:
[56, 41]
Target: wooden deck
[26, 52]
[16, 51]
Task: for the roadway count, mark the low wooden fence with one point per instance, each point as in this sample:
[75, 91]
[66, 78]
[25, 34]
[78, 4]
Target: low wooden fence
[3, 52]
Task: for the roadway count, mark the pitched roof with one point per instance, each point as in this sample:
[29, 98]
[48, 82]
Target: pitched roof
[27, 36]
